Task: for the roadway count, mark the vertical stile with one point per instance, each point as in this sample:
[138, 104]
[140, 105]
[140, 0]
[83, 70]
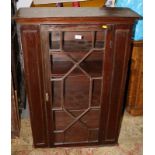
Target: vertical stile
[90, 92]
[61, 40]
[93, 38]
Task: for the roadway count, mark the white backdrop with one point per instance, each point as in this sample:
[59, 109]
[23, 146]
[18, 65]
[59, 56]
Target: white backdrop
[24, 3]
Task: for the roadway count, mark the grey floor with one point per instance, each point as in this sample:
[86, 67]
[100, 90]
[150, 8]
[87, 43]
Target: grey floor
[25, 112]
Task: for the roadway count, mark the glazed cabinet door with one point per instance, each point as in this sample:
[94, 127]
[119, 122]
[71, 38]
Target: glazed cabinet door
[74, 62]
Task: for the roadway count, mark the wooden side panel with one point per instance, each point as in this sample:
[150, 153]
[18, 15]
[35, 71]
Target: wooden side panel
[135, 89]
[34, 82]
[107, 76]
[117, 70]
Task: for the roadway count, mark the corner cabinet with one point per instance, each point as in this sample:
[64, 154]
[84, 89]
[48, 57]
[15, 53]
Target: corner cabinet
[75, 62]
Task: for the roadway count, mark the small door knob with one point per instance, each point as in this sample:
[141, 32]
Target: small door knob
[104, 26]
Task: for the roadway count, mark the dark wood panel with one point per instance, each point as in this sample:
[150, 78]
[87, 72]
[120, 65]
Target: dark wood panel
[119, 71]
[107, 84]
[34, 81]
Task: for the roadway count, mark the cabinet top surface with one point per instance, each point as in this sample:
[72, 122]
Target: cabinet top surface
[60, 13]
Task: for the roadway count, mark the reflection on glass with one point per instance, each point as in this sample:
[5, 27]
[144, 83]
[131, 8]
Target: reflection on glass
[76, 92]
[93, 64]
[99, 39]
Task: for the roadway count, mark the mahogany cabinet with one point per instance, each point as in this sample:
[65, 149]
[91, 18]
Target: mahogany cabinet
[75, 62]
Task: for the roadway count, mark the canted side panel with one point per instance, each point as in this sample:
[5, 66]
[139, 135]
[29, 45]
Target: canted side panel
[121, 55]
[107, 83]
[34, 81]
[135, 88]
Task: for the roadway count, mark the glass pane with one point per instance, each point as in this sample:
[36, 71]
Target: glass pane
[56, 93]
[96, 94]
[99, 39]
[61, 119]
[72, 136]
[91, 118]
[93, 64]
[59, 137]
[54, 40]
[93, 135]
[60, 64]
[77, 41]
[76, 113]
[76, 92]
